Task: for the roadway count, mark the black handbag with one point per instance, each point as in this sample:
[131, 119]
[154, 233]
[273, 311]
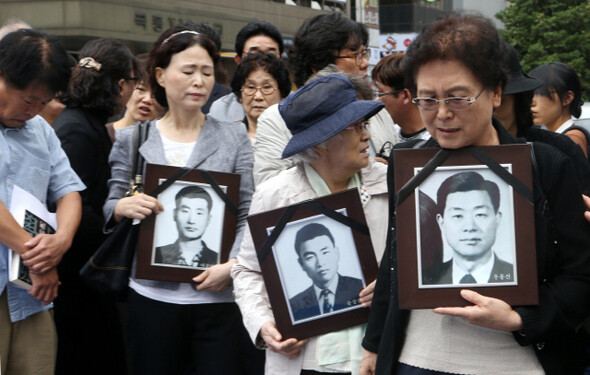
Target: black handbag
[107, 271]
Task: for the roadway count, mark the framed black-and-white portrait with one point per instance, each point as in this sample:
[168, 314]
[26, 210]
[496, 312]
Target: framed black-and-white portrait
[195, 230]
[465, 225]
[478, 226]
[330, 255]
[316, 265]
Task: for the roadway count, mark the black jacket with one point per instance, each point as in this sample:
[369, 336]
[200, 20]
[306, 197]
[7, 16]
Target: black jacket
[563, 270]
[85, 140]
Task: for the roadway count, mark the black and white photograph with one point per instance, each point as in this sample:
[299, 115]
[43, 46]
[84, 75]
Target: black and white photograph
[188, 233]
[465, 228]
[318, 267]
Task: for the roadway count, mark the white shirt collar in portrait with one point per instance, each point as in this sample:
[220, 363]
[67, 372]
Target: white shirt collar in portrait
[480, 274]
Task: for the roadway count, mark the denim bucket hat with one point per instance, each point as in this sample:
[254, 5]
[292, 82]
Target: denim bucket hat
[320, 110]
[518, 81]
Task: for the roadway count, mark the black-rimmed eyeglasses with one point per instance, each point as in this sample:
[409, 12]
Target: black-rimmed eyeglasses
[389, 93]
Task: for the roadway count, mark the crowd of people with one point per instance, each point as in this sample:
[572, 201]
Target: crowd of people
[291, 130]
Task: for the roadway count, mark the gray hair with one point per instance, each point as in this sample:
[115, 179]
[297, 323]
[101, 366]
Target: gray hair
[361, 86]
[311, 154]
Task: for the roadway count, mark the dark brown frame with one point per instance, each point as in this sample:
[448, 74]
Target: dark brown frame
[410, 295]
[258, 227]
[145, 268]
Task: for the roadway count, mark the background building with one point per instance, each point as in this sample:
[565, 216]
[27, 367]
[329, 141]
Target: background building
[407, 16]
[140, 22]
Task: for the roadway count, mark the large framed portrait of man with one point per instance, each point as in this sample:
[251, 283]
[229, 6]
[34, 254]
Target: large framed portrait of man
[315, 258]
[465, 222]
[196, 229]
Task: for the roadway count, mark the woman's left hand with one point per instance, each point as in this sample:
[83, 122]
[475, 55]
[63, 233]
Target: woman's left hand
[366, 295]
[215, 278]
[486, 312]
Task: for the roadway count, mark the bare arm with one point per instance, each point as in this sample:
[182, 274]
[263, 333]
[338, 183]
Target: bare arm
[11, 233]
[580, 139]
[46, 250]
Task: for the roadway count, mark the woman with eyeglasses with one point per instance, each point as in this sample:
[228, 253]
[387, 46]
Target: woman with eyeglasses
[261, 80]
[330, 143]
[457, 66]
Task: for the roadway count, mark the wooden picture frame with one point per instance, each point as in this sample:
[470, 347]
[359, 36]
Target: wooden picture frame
[297, 313]
[160, 246]
[426, 238]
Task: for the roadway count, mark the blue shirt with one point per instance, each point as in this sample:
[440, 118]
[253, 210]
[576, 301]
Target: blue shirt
[32, 158]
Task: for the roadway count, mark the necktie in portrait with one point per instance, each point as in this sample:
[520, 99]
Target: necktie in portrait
[467, 279]
[328, 306]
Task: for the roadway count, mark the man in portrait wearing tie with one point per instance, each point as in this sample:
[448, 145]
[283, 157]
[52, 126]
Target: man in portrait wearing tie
[318, 256]
[192, 214]
[468, 217]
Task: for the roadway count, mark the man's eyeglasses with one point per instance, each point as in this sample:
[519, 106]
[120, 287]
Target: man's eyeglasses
[359, 126]
[389, 93]
[359, 56]
[265, 90]
[456, 103]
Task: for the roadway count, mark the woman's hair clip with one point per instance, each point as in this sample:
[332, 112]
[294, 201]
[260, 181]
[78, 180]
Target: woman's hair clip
[179, 33]
[89, 62]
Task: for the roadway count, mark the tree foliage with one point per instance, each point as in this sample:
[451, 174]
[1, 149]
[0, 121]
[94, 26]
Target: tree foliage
[543, 31]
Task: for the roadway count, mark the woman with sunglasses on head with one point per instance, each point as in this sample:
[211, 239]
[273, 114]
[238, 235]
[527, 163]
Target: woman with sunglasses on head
[261, 80]
[184, 328]
[100, 86]
[558, 101]
[457, 65]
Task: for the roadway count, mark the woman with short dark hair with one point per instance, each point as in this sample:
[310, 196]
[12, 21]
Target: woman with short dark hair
[457, 66]
[261, 80]
[102, 82]
[558, 101]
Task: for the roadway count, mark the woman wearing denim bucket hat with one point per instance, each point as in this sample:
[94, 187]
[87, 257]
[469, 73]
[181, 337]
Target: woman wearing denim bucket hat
[330, 141]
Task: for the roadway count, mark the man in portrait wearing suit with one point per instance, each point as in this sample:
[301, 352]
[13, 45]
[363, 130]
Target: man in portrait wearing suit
[468, 217]
[318, 257]
[192, 214]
